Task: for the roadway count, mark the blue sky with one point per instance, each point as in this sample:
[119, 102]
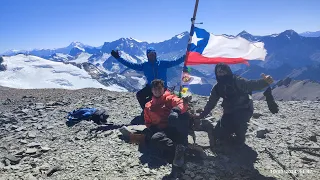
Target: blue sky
[28, 24]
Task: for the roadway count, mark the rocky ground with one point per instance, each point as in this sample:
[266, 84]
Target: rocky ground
[37, 144]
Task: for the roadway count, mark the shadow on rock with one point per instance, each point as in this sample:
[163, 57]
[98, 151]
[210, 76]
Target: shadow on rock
[138, 120]
[230, 162]
[153, 158]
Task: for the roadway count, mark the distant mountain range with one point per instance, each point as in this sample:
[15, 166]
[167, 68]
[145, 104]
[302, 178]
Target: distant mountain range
[293, 90]
[310, 34]
[289, 55]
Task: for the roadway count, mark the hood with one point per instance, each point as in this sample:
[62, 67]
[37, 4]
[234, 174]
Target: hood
[151, 49]
[225, 68]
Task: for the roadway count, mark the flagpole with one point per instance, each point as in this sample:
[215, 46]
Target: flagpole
[189, 43]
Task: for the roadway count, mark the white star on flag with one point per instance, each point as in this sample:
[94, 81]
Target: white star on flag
[195, 39]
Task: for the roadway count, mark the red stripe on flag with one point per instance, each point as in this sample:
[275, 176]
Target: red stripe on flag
[195, 58]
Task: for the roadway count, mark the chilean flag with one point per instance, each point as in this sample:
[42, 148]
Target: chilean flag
[207, 48]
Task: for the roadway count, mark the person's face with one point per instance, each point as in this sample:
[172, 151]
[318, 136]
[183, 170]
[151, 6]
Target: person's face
[157, 91]
[151, 56]
[221, 72]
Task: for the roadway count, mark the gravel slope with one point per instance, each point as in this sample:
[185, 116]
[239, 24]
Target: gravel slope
[35, 139]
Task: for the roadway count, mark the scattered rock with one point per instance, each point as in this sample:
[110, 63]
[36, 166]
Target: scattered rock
[1, 166]
[308, 159]
[53, 170]
[22, 141]
[261, 133]
[32, 134]
[13, 160]
[146, 170]
[21, 129]
[31, 151]
[36, 155]
[313, 138]
[45, 149]
[133, 164]
[291, 141]
[40, 106]
[108, 157]
[49, 127]
[29, 176]
[256, 115]
[19, 153]
[108, 133]
[33, 144]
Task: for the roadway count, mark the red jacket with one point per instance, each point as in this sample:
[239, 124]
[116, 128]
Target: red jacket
[157, 110]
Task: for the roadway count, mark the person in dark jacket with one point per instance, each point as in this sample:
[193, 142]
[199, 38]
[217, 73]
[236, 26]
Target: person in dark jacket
[237, 102]
[152, 69]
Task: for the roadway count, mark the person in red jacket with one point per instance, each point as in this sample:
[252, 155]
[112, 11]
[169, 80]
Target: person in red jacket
[167, 122]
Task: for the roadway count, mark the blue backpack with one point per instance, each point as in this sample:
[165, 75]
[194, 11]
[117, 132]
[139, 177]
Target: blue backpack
[98, 116]
[81, 114]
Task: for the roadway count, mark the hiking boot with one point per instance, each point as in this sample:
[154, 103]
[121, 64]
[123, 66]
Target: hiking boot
[125, 132]
[137, 138]
[179, 156]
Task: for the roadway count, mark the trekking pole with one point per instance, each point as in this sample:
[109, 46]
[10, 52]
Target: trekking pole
[189, 43]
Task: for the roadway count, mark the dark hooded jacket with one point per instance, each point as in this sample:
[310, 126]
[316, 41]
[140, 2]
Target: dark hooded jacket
[235, 91]
[153, 70]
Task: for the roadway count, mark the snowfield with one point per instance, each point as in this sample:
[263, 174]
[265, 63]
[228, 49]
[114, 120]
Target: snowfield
[32, 72]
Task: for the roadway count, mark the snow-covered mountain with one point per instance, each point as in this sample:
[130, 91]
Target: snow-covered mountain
[32, 72]
[49, 52]
[285, 48]
[310, 34]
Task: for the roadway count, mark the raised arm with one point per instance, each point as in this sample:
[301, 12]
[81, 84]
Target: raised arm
[248, 86]
[134, 66]
[176, 62]
[211, 104]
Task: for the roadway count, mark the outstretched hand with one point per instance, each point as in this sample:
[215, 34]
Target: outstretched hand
[115, 54]
[267, 78]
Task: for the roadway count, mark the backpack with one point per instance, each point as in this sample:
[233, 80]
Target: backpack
[96, 115]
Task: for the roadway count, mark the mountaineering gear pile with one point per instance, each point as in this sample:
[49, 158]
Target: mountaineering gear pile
[157, 110]
[152, 70]
[98, 116]
[272, 105]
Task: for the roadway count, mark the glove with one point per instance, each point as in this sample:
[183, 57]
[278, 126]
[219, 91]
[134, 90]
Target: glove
[177, 110]
[267, 78]
[272, 105]
[174, 116]
[115, 54]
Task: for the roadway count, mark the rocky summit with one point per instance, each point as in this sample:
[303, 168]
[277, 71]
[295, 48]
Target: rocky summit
[36, 143]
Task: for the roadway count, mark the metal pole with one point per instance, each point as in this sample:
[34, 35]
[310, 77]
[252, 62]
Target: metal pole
[189, 43]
